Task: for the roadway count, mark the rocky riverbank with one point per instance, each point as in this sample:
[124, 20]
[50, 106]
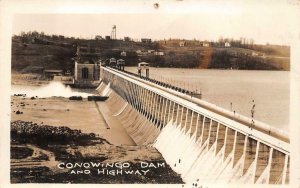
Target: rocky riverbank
[47, 154]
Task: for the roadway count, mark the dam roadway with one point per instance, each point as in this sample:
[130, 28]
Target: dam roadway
[202, 142]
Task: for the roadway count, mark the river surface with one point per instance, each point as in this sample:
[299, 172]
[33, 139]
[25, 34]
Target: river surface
[54, 88]
[268, 89]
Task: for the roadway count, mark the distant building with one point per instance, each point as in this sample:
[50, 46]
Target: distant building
[123, 54]
[112, 62]
[159, 53]
[144, 40]
[49, 74]
[98, 37]
[227, 44]
[206, 44]
[120, 64]
[143, 66]
[141, 53]
[107, 37]
[182, 43]
[127, 39]
[58, 75]
[87, 66]
[86, 74]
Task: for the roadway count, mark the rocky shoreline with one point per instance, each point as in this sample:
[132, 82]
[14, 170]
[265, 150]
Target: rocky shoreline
[38, 153]
[45, 134]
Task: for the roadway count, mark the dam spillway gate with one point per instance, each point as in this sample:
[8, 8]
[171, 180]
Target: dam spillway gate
[203, 145]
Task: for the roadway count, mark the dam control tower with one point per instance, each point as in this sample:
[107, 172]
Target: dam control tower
[87, 68]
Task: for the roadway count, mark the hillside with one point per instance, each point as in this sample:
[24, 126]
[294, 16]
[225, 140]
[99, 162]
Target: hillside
[34, 57]
[33, 54]
[247, 59]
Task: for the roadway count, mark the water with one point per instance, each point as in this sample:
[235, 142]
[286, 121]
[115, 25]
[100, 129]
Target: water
[269, 90]
[50, 90]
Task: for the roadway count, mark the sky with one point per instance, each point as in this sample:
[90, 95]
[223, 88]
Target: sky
[263, 21]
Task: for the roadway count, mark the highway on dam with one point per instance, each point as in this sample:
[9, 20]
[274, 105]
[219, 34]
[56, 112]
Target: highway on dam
[212, 144]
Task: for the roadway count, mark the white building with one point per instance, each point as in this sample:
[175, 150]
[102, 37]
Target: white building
[86, 74]
[159, 53]
[206, 44]
[123, 54]
[227, 44]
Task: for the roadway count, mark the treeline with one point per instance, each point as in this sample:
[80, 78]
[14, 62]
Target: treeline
[223, 59]
[27, 36]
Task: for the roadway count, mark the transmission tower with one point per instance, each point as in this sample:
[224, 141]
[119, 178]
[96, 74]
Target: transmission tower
[114, 33]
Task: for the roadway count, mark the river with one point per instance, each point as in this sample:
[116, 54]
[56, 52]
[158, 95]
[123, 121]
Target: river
[268, 89]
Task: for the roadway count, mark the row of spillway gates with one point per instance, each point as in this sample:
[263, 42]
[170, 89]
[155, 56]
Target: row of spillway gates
[201, 142]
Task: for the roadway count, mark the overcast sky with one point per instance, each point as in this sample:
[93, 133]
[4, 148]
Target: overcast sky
[268, 21]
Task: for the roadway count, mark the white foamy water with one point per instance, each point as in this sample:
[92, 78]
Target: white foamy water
[53, 89]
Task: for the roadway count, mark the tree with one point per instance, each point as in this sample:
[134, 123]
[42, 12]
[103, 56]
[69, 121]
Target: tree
[251, 43]
[35, 34]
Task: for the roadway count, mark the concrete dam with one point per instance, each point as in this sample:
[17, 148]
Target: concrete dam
[203, 143]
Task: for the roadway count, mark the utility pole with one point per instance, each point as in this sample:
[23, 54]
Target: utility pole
[252, 113]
